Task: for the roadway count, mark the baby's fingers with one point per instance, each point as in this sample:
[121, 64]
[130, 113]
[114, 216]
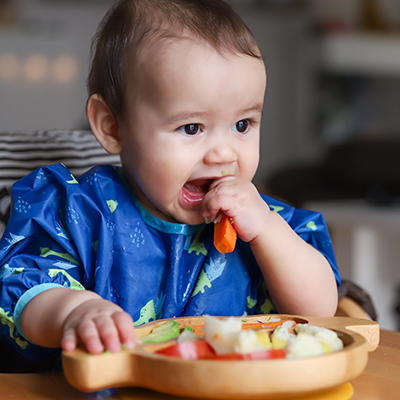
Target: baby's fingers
[124, 324]
[220, 196]
[108, 333]
[89, 333]
[69, 341]
[215, 203]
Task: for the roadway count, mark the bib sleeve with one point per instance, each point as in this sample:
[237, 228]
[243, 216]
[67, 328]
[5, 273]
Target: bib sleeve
[47, 244]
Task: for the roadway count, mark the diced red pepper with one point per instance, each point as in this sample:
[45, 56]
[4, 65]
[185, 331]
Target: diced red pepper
[258, 355]
[192, 350]
[200, 349]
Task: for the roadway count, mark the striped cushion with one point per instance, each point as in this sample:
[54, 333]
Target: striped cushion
[23, 152]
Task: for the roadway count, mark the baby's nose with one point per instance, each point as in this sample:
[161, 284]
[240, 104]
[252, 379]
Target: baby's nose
[220, 153]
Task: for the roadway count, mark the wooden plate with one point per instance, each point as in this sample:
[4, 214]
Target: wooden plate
[255, 379]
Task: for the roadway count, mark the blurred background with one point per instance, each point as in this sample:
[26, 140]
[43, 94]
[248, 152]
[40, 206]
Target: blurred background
[331, 124]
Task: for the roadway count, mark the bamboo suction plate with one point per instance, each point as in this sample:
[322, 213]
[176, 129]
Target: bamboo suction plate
[216, 379]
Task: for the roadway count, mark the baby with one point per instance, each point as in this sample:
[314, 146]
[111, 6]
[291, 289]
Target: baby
[176, 88]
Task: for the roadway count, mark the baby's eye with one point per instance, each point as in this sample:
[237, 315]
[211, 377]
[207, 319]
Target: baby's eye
[241, 126]
[190, 129]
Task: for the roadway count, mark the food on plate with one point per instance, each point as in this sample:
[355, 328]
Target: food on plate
[201, 350]
[227, 336]
[315, 340]
[258, 355]
[188, 350]
[167, 331]
[325, 336]
[271, 322]
[304, 345]
[309, 341]
[281, 336]
[187, 336]
[224, 235]
[226, 339]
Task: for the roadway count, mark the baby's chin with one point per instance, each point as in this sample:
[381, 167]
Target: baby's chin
[190, 218]
[195, 220]
[178, 215]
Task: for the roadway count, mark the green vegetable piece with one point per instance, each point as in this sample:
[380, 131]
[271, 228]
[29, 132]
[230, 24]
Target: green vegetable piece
[161, 333]
[188, 328]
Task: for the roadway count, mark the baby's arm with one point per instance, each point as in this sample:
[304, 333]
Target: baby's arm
[65, 317]
[299, 278]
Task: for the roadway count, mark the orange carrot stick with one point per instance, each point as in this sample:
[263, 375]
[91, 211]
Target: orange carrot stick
[266, 324]
[224, 235]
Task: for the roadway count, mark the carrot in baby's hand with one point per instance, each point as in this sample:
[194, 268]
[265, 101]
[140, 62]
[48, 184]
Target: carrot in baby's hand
[224, 235]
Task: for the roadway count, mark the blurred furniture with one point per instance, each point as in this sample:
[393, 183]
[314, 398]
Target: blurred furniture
[362, 54]
[348, 307]
[366, 240]
[23, 152]
[355, 302]
[365, 169]
[356, 186]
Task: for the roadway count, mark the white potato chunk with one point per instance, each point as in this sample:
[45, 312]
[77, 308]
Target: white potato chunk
[221, 334]
[303, 345]
[226, 336]
[187, 336]
[327, 336]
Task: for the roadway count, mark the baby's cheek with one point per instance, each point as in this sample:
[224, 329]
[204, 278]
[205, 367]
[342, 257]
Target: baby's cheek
[168, 174]
[166, 167]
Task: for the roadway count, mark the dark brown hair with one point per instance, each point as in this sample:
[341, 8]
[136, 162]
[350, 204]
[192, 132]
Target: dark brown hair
[129, 23]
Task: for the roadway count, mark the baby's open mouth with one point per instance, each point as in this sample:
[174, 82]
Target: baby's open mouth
[194, 191]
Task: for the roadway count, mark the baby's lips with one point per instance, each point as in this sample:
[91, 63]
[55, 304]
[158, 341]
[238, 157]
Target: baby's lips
[220, 180]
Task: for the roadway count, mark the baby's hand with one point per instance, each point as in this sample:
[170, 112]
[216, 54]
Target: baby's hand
[241, 202]
[100, 325]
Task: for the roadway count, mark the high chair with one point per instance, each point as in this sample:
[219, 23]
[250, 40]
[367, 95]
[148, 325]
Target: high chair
[355, 302]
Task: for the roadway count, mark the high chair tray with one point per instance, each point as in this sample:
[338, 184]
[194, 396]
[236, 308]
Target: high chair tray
[227, 379]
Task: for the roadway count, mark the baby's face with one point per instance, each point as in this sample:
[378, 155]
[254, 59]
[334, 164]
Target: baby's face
[191, 116]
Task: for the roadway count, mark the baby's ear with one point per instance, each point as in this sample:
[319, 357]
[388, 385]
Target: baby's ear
[103, 124]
